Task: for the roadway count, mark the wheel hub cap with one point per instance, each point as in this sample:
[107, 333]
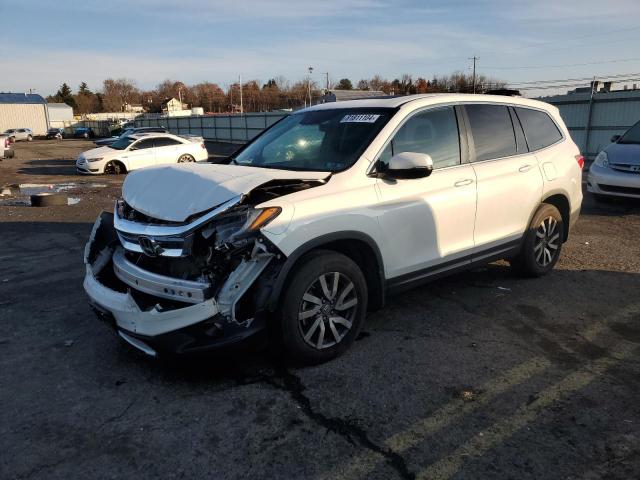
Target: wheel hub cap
[547, 241]
[327, 310]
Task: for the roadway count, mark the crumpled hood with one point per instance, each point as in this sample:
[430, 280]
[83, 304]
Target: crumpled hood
[628, 153]
[175, 192]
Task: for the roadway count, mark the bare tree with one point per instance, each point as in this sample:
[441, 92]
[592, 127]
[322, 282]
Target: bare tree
[115, 93]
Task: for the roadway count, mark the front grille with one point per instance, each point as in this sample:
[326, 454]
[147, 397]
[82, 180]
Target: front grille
[168, 246]
[617, 189]
[625, 168]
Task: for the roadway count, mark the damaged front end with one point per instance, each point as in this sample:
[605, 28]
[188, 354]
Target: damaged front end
[183, 287]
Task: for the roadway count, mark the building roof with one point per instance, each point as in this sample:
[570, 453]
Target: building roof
[59, 106]
[21, 98]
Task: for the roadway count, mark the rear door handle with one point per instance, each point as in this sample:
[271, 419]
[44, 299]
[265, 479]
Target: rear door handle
[525, 168]
[462, 183]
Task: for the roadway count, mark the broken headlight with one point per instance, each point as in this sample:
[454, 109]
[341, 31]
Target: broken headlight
[236, 224]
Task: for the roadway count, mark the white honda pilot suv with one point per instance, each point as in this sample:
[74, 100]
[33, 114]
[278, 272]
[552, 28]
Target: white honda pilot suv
[311, 224]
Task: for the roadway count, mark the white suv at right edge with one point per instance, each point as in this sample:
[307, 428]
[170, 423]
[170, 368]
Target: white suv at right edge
[314, 221]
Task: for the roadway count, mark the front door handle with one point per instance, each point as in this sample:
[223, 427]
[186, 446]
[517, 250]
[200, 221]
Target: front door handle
[462, 183]
[525, 168]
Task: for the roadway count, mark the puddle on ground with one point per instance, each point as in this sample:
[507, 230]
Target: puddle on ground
[19, 195]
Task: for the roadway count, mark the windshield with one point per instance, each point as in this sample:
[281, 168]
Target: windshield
[632, 135]
[321, 140]
[122, 143]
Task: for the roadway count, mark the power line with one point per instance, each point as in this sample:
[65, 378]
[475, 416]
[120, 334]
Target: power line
[565, 65]
[573, 79]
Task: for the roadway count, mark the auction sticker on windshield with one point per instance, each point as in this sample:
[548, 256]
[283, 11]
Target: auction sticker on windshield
[368, 118]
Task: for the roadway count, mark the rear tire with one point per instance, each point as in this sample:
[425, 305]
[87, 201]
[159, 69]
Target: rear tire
[542, 243]
[29, 138]
[186, 158]
[323, 308]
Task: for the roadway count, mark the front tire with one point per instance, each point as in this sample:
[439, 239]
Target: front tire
[323, 308]
[542, 243]
[114, 168]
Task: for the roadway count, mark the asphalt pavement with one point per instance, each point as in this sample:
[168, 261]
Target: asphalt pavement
[481, 375]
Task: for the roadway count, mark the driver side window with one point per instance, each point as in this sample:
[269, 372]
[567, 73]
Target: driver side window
[434, 132]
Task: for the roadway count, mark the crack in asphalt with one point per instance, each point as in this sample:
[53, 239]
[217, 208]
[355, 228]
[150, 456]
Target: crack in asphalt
[285, 380]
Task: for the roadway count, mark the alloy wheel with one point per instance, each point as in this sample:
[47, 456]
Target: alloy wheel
[185, 159]
[547, 241]
[327, 310]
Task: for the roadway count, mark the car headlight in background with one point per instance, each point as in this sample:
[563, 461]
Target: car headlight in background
[94, 159]
[602, 160]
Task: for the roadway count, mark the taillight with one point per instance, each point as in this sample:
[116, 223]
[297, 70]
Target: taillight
[580, 160]
[202, 146]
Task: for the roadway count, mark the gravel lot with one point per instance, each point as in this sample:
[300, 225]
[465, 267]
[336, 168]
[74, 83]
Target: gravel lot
[480, 375]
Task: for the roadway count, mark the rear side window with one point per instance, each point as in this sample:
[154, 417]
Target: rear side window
[538, 127]
[492, 131]
[166, 142]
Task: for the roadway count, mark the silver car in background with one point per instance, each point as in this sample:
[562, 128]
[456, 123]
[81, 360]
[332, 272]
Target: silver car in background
[616, 169]
[16, 134]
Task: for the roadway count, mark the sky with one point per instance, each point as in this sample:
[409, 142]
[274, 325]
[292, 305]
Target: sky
[47, 43]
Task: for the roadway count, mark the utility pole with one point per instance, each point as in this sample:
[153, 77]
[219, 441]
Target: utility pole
[241, 104]
[474, 58]
[327, 75]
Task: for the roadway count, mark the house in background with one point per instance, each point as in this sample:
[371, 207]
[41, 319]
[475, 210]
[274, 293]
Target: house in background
[173, 105]
[133, 108]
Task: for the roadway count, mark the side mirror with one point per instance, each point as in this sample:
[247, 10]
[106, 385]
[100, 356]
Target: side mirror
[615, 138]
[407, 165]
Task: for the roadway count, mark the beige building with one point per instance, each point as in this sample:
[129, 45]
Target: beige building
[24, 110]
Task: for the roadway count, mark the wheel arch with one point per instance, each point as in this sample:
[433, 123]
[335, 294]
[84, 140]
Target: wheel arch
[358, 246]
[121, 162]
[560, 200]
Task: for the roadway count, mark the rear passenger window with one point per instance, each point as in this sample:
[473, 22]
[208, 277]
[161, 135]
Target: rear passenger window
[434, 132]
[538, 127]
[165, 142]
[492, 131]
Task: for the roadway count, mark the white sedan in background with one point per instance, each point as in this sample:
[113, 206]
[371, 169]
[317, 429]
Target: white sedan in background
[139, 151]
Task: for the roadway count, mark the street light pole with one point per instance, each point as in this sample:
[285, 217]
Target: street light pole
[309, 84]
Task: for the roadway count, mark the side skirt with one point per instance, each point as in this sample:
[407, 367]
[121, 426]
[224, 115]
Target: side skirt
[414, 279]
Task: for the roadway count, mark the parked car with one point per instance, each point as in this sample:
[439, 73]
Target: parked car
[83, 132]
[55, 134]
[6, 147]
[141, 150]
[18, 134]
[130, 131]
[315, 221]
[616, 169]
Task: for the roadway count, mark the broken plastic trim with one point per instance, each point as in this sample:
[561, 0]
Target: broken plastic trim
[146, 229]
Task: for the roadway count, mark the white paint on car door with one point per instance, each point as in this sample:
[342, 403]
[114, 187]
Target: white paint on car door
[140, 154]
[167, 150]
[427, 221]
[509, 178]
